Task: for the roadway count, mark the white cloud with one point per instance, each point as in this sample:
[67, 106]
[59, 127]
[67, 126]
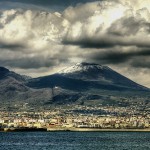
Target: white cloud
[26, 25]
[111, 22]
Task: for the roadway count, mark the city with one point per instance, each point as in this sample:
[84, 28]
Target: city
[76, 118]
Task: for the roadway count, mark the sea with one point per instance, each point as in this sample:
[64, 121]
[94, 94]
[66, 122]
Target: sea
[74, 140]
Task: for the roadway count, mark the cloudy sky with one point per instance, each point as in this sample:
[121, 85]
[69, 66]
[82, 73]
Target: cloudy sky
[41, 37]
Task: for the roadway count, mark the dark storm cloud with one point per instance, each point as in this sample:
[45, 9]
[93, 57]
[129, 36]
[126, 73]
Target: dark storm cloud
[108, 41]
[134, 58]
[90, 43]
[13, 46]
[109, 57]
[50, 2]
[105, 42]
[32, 63]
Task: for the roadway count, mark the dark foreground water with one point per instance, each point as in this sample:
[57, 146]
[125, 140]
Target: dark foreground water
[75, 141]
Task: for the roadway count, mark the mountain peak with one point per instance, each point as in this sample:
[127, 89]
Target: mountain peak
[83, 67]
[98, 73]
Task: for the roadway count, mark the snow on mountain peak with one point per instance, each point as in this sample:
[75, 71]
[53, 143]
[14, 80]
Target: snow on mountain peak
[80, 67]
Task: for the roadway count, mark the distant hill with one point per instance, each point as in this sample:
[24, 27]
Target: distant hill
[14, 91]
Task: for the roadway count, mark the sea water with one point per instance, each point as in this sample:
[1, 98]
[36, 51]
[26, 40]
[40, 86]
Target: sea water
[74, 140]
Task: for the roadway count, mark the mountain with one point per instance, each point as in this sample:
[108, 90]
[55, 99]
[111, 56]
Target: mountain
[82, 83]
[84, 76]
[87, 81]
[99, 74]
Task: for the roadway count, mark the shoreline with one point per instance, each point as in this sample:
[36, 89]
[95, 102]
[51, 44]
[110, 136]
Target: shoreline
[97, 130]
[75, 130]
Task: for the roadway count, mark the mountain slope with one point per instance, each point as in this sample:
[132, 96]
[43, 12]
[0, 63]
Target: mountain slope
[14, 91]
[84, 76]
[100, 74]
[10, 81]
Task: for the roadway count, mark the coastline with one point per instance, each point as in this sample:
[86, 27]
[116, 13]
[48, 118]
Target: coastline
[74, 130]
[97, 130]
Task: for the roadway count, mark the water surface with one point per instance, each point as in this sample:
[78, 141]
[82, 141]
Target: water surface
[75, 141]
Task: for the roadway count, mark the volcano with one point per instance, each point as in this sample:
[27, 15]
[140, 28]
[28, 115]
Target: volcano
[83, 76]
[76, 84]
